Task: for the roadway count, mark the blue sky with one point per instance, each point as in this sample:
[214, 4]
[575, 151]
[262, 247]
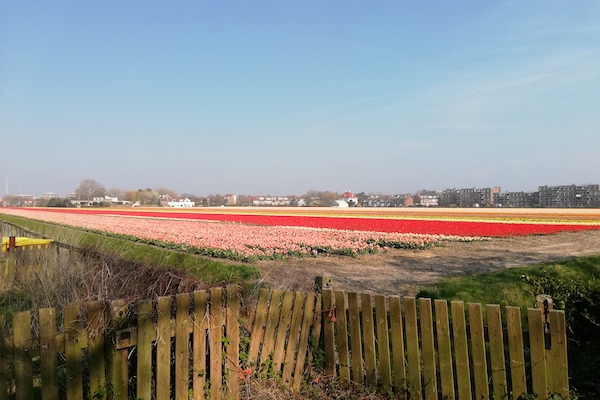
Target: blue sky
[281, 97]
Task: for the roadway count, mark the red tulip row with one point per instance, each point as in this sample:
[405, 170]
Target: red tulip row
[416, 226]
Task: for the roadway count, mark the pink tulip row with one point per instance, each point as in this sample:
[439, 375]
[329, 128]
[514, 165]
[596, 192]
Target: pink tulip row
[239, 241]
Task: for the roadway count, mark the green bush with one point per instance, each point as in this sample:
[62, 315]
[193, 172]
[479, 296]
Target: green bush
[578, 297]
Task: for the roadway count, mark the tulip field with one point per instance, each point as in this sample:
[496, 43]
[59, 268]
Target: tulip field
[257, 233]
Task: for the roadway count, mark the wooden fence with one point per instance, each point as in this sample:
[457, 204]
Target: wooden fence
[407, 348]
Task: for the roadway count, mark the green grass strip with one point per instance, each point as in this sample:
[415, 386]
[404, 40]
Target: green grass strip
[202, 268]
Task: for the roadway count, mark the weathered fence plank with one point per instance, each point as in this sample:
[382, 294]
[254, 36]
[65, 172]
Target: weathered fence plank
[48, 354]
[369, 339]
[342, 335]
[383, 343]
[282, 329]
[480, 375]
[427, 349]
[309, 311]
[537, 349]
[413, 356]
[145, 336]
[73, 338]
[232, 332]
[96, 324]
[558, 336]
[444, 349]
[397, 335]
[355, 338]
[216, 321]
[182, 339]
[22, 355]
[258, 326]
[163, 349]
[199, 345]
[328, 331]
[496, 344]
[459, 330]
[515, 344]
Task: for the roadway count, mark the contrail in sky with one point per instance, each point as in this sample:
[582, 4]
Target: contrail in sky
[341, 105]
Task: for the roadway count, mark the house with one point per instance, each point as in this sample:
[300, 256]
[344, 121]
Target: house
[181, 203]
[341, 204]
[349, 198]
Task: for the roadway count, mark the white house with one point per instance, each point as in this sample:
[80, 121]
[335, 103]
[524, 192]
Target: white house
[181, 203]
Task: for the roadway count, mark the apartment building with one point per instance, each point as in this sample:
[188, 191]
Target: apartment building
[569, 196]
[517, 199]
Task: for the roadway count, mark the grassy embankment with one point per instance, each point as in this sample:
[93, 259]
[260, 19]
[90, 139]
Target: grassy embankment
[201, 268]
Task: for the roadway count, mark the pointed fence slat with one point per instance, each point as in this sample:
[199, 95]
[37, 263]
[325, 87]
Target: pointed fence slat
[355, 338]
[559, 352]
[497, 359]
[163, 349]
[216, 321]
[368, 328]
[232, 348]
[145, 336]
[478, 353]
[537, 349]
[342, 335]
[22, 355]
[282, 329]
[290, 354]
[199, 345]
[383, 343]
[397, 343]
[413, 355]
[73, 337]
[48, 354]
[428, 349]
[459, 330]
[182, 339]
[309, 311]
[515, 344]
[96, 320]
[444, 349]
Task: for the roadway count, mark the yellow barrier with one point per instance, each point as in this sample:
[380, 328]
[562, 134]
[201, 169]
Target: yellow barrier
[25, 242]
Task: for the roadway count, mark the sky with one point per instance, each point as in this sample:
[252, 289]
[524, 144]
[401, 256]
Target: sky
[283, 97]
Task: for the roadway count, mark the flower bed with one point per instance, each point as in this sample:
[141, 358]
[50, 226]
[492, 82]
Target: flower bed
[236, 241]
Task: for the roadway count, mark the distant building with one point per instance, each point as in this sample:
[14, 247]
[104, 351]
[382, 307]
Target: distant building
[516, 199]
[426, 200]
[230, 199]
[397, 200]
[349, 198]
[181, 203]
[48, 196]
[570, 196]
[268, 200]
[469, 197]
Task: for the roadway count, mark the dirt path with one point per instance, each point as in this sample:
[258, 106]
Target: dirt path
[405, 272]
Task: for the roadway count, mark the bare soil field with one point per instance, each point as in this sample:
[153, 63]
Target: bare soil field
[405, 272]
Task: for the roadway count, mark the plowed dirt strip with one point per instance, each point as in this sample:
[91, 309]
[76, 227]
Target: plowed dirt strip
[420, 226]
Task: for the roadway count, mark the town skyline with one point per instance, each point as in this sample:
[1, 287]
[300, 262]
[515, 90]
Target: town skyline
[282, 97]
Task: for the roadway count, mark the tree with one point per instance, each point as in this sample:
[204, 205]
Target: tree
[328, 198]
[147, 197]
[172, 194]
[118, 193]
[88, 189]
[131, 195]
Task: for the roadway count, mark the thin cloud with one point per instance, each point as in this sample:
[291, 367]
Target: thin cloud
[341, 105]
